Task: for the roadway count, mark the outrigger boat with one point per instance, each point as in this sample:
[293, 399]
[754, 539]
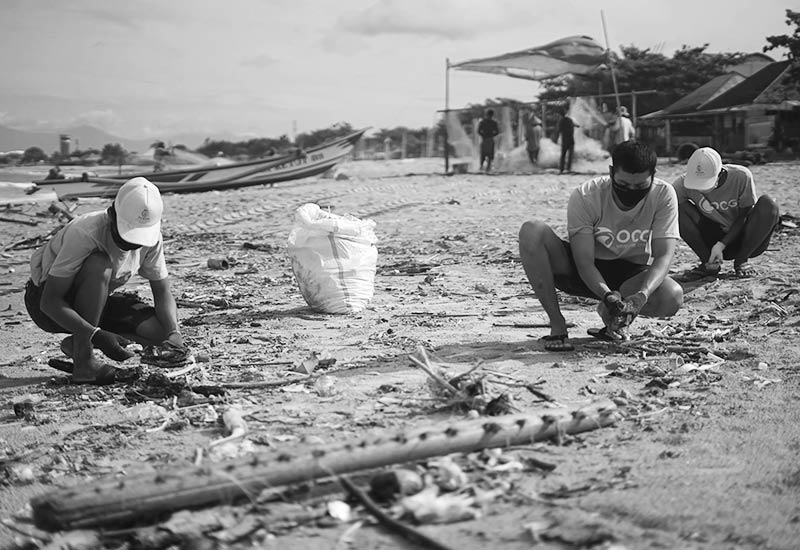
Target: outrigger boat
[290, 166]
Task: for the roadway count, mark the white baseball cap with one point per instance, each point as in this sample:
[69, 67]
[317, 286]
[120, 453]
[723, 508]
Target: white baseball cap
[139, 207]
[703, 169]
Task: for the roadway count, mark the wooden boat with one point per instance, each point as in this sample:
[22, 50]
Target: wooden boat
[193, 179]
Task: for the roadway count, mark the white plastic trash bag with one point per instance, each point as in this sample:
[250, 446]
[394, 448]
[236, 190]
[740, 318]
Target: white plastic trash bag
[333, 259]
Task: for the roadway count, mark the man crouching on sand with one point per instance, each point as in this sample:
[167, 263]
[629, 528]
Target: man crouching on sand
[623, 229]
[74, 275]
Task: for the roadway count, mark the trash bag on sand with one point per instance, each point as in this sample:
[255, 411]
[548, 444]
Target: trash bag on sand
[333, 259]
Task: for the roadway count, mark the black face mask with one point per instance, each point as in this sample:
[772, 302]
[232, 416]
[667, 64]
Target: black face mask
[630, 197]
[121, 243]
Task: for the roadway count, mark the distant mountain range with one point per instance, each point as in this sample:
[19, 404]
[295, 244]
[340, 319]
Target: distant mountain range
[85, 137]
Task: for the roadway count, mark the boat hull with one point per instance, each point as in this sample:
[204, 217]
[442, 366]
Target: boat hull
[292, 166]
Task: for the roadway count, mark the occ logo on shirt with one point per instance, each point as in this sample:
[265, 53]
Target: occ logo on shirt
[622, 238]
[709, 206]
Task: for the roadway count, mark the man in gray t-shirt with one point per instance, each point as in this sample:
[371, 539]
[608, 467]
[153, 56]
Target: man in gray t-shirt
[623, 229]
[721, 218]
[74, 275]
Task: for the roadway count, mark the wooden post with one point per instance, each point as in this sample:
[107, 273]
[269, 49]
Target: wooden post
[446, 114]
[149, 496]
[668, 131]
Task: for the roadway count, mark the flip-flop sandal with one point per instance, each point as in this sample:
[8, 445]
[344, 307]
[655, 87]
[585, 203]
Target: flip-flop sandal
[107, 375]
[697, 273]
[744, 271]
[62, 365]
[558, 342]
[601, 334]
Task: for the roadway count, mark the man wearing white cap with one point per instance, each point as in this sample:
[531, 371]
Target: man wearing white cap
[720, 216]
[74, 276]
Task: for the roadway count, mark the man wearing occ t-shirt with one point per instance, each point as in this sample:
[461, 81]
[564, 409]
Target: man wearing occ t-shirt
[719, 215]
[623, 229]
[74, 275]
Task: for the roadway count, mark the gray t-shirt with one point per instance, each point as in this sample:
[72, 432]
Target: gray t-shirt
[64, 254]
[623, 234]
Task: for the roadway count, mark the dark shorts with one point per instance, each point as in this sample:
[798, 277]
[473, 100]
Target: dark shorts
[615, 272]
[487, 148]
[123, 313]
[711, 232]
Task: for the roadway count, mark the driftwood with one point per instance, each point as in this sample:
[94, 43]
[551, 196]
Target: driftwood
[150, 496]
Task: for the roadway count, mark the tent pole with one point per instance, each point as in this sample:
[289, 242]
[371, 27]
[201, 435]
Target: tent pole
[446, 114]
[608, 57]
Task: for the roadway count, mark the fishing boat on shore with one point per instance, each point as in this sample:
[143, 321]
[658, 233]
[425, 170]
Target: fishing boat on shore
[297, 164]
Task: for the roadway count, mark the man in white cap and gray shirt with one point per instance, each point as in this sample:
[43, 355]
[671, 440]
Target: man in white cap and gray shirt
[720, 216]
[75, 274]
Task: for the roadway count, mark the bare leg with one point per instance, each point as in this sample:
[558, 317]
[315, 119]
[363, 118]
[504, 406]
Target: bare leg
[758, 229]
[91, 291]
[543, 255]
[689, 224]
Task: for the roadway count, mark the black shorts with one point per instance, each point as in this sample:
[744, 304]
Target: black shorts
[614, 272]
[123, 313]
[711, 232]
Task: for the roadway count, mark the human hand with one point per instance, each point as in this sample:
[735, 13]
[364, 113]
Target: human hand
[633, 305]
[614, 302]
[108, 343]
[715, 257]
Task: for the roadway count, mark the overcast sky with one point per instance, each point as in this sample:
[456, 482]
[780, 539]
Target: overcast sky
[142, 68]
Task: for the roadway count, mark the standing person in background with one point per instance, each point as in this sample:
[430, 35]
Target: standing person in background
[566, 132]
[720, 216]
[621, 128]
[488, 130]
[533, 136]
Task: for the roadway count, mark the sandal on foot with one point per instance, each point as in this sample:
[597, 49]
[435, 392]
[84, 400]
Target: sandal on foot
[107, 375]
[62, 365]
[602, 334]
[744, 271]
[558, 342]
[697, 273]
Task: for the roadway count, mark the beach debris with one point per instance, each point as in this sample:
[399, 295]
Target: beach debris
[218, 263]
[384, 486]
[417, 538]
[235, 425]
[429, 506]
[471, 390]
[340, 510]
[408, 267]
[149, 495]
[325, 386]
[312, 362]
[166, 356]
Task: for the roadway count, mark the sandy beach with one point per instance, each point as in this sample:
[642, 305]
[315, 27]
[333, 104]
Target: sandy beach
[704, 455]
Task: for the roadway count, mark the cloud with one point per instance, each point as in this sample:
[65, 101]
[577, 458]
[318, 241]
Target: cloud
[449, 19]
[259, 61]
[129, 15]
[100, 118]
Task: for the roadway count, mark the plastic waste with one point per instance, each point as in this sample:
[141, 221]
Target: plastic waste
[334, 259]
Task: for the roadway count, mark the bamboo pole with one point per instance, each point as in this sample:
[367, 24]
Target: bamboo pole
[610, 64]
[150, 496]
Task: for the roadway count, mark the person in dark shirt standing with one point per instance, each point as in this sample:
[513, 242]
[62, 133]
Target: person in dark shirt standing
[566, 131]
[488, 130]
